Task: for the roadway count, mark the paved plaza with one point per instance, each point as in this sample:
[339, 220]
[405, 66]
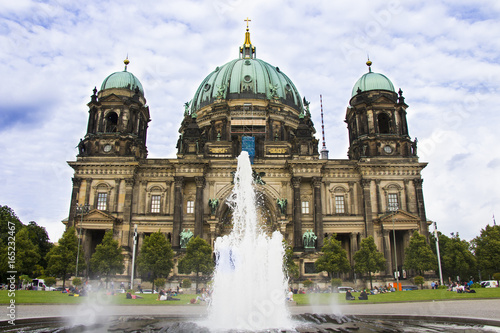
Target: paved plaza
[479, 308]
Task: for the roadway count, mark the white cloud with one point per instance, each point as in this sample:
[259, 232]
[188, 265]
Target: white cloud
[443, 56]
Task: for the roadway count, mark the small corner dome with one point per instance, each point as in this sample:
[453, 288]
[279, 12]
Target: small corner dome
[122, 80]
[372, 81]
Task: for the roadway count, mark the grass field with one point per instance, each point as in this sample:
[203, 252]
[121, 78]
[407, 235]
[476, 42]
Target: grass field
[53, 297]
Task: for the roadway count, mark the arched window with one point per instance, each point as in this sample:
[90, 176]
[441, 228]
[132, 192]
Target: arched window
[111, 122]
[383, 123]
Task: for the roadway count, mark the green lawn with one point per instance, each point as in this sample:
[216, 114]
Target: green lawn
[53, 297]
[400, 296]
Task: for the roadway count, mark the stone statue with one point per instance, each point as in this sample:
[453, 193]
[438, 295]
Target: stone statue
[185, 237]
[274, 91]
[414, 147]
[221, 92]
[309, 239]
[282, 203]
[81, 147]
[186, 108]
[257, 177]
[213, 204]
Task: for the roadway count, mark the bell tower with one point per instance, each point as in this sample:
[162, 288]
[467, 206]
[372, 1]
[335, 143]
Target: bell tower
[118, 118]
[376, 119]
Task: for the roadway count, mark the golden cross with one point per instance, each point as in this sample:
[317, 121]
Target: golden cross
[247, 20]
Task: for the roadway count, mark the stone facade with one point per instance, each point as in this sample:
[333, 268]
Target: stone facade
[351, 198]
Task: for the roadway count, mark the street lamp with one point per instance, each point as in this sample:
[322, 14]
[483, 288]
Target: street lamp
[394, 208]
[81, 209]
[133, 258]
[438, 254]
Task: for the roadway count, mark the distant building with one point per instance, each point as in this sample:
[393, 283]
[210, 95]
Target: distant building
[248, 104]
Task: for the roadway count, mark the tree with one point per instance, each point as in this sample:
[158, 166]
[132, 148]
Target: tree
[291, 268]
[368, 259]
[107, 259]
[198, 258]
[456, 257]
[61, 259]
[419, 255]
[50, 281]
[27, 254]
[419, 280]
[7, 215]
[76, 281]
[334, 258]
[487, 250]
[155, 257]
[39, 237]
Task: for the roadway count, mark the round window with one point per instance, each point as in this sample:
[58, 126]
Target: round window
[247, 78]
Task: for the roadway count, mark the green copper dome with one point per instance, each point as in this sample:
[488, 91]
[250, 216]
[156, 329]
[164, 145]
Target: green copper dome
[246, 78]
[124, 80]
[372, 81]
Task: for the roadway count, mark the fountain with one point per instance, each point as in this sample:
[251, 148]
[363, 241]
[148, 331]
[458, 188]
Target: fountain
[249, 285]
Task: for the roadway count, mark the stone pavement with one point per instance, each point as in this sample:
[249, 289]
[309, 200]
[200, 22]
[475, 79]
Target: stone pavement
[477, 308]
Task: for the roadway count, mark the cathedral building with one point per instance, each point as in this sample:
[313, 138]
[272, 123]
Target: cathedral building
[249, 104]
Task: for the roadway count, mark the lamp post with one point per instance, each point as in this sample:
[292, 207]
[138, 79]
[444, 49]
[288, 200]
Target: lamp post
[394, 208]
[438, 254]
[133, 258]
[80, 209]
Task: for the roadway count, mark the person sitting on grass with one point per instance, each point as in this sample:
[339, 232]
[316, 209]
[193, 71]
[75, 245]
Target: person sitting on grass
[348, 296]
[363, 296]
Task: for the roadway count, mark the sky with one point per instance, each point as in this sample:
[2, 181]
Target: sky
[444, 55]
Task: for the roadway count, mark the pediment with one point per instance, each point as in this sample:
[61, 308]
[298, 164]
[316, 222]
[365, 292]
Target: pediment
[99, 215]
[111, 98]
[400, 216]
[383, 99]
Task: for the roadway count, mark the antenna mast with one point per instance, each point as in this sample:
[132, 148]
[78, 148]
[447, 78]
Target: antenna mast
[324, 151]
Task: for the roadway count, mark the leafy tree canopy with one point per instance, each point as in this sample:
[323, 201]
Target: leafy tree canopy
[198, 258]
[419, 255]
[487, 250]
[27, 253]
[107, 259]
[155, 257]
[334, 258]
[368, 259]
[289, 264]
[61, 259]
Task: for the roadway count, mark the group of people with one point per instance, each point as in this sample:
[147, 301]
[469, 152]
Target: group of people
[462, 287]
[167, 295]
[363, 296]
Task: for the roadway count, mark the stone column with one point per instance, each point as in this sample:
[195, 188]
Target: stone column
[88, 188]
[74, 195]
[178, 204]
[297, 213]
[407, 196]
[127, 212]
[387, 252]
[420, 206]
[379, 200]
[365, 183]
[318, 211]
[353, 246]
[117, 194]
[199, 207]
[351, 199]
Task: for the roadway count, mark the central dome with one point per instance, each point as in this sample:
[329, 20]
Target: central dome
[246, 79]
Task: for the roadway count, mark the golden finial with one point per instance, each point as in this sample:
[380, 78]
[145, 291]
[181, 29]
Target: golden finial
[247, 20]
[126, 62]
[369, 64]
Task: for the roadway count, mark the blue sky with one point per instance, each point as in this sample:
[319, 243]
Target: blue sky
[443, 55]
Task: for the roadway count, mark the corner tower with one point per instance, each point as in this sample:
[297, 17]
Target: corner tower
[118, 118]
[376, 119]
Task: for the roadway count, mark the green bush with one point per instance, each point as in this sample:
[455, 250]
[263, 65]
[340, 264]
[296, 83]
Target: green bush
[50, 281]
[160, 282]
[307, 283]
[419, 280]
[186, 283]
[336, 282]
[496, 276]
[475, 285]
[77, 282]
[442, 286]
